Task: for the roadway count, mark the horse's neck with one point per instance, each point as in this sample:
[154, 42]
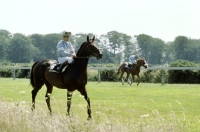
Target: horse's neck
[82, 59]
[138, 67]
[81, 62]
[138, 64]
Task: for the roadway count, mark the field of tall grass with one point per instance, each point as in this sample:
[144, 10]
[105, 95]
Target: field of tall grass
[148, 107]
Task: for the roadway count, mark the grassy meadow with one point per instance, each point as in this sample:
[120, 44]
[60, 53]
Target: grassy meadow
[115, 107]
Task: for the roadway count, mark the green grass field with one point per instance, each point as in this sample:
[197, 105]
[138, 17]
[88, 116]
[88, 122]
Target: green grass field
[111, 101]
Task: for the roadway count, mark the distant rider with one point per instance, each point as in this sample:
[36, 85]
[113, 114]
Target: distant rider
[133, 60]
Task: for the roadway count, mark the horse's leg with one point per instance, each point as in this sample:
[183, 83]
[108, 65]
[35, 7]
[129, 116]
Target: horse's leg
[127, 77]
[34, 93]
[69, 97]
[48, 94]
[138, 79]
[132, 78]
[84, 93]
[122, 77]
[122, 81]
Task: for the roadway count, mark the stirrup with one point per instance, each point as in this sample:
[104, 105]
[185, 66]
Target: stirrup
[127, 66]
[58, 69]
[61, 68]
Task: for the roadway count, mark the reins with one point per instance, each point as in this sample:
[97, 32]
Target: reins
[82, 57]
[86, 56]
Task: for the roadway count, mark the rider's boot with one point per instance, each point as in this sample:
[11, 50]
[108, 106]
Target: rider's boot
[62, 66]
[130, 66]
[126, 65]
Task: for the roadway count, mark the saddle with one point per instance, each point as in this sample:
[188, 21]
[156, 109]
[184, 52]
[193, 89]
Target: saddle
[130, 66]
[54, 68]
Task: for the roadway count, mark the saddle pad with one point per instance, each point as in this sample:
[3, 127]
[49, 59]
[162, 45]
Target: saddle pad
[53, 68]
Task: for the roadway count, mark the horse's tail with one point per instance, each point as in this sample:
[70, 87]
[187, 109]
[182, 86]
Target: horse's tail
[119, 70]
[32, 77]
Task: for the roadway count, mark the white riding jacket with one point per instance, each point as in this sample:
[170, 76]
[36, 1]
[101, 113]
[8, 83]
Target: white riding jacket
[133, 59]
[65, 51]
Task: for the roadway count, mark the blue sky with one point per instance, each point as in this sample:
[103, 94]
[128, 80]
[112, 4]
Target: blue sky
[164, 19]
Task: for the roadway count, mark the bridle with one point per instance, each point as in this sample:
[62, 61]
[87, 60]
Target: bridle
[82, 57]
[92, 53]
[145, 64]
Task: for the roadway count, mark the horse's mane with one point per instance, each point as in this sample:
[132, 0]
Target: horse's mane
[142, 59]
[80, 48]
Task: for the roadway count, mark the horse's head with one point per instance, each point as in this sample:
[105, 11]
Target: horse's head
[89, 49]
[142, 62]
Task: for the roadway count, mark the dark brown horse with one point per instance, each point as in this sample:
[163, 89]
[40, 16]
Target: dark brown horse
[73, 78]
[135, 70]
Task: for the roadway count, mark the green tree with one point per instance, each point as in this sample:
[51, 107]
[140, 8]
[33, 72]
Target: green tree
[5, 38]
[169, 52]
[193, 50]
[156, 50]
[103, 44]
[152, 48]
[128, 46]
[115, 40]
[50, 43]
[20, 49]
[38, 42]
[107, 57]
[145, 42]
[180, 44]
[187, 49]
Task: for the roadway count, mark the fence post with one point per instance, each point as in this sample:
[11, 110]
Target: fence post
[99, 76]
[163, 78]
[14, 74]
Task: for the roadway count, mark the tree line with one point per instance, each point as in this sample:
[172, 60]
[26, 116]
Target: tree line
[115, 46]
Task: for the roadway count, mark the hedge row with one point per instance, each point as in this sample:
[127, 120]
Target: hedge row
[152, 76]
[7, 73]
[155, 76]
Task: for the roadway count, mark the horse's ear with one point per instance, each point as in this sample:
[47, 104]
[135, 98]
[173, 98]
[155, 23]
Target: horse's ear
[93, 39]
[88, 40]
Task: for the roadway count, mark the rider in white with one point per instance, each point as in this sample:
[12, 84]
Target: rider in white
[65, 51]
[133, 60]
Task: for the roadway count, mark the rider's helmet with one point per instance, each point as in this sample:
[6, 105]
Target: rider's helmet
[66, 34]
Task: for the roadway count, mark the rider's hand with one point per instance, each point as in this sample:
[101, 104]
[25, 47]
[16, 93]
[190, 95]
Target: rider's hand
[74, 55]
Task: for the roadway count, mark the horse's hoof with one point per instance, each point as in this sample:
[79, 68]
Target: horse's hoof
[89, 118]
[32, 109]
[68, 115]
